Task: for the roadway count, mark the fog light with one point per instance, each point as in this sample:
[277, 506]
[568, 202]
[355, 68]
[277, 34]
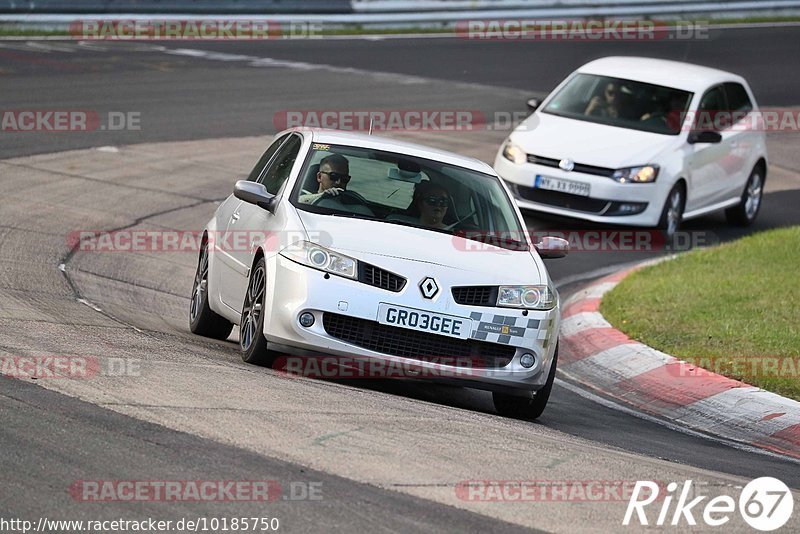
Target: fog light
[625, 208]
[629, 208]
[306, 319]
[527, 360]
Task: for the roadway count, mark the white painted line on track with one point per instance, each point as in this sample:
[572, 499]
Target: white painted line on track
[21, 47]
[87, 303]
[268, 62]
[52, 47]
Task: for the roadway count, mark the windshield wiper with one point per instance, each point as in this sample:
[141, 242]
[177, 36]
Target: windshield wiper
[327, 211]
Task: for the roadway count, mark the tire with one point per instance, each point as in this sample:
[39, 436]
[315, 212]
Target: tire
[252, 342]
[672, 214]
[204, 321]
[531, 406]
[745, 213]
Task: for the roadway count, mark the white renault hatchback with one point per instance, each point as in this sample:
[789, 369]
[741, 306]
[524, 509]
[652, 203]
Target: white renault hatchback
[362, 247]
[641, 142]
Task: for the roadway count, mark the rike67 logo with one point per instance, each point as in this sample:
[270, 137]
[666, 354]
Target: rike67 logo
[765, 504]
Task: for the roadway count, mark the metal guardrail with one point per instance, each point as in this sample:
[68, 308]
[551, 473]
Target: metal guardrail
[381, 13]
[567, 8]
[397, 6]
[206, 7]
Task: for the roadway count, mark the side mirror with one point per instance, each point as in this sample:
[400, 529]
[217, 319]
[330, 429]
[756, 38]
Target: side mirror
[551, 248]
[705, 136]
[533, 104]
[254, 193]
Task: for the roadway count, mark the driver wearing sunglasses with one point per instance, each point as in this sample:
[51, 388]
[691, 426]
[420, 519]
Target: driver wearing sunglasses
[333, 176]
[431, 201]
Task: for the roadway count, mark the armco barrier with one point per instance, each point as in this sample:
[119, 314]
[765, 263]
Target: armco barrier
[57, 14]
[574, 8]
[205, 7]
[396, 6]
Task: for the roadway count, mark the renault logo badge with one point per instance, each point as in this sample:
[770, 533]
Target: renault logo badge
[429, 288]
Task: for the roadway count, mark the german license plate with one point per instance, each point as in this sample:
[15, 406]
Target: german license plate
[424, 321]
[563, 186]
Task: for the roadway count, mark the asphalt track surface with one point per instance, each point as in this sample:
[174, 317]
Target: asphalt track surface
[388, 455]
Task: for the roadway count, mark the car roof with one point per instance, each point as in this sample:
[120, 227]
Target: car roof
[676, 74]
[377, 142]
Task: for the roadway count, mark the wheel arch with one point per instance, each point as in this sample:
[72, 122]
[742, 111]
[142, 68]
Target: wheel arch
[761, 164]
[203, 242]
[259, 254]
[683, 184]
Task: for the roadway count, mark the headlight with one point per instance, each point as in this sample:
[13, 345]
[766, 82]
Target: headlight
[514, 153]
[527, 297]
[638, 175]
[317, 257]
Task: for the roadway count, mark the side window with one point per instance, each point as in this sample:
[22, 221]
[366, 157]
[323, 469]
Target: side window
[712, 112]
[738, 100]
[262, 162]
[278, 170]
[713, 100]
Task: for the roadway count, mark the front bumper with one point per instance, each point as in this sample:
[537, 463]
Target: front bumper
[605, 198]
[294, 289]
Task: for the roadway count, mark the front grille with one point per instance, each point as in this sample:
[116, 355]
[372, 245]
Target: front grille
[579, 167]
[475, 295]
[563, 200]
[396, 341]
[375, 276]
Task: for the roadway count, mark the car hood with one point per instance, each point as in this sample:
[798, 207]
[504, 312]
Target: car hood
[589, 143]
[379, 243]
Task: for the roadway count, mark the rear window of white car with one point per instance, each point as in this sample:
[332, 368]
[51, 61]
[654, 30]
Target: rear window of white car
[621, 103]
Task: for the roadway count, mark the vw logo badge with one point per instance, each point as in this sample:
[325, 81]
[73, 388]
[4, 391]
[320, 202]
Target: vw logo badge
[566, 165]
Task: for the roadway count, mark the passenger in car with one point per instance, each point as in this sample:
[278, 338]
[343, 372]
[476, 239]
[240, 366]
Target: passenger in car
[333, 176]
[668, 114]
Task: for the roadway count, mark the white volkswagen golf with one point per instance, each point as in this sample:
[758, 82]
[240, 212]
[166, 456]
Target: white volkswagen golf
[641, 142]
[356, 246]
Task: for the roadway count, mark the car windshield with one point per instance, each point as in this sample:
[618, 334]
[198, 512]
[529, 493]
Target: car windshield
[392, 188]
[621, 103]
